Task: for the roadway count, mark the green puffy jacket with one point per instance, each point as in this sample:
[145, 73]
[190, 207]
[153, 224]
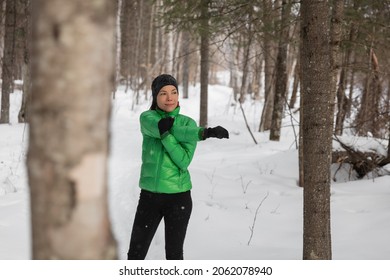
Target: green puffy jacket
[165, 158]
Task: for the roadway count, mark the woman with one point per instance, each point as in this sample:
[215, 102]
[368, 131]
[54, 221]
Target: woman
[169, 142]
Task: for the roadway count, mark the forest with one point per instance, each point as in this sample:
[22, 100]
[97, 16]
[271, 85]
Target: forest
[327, 60]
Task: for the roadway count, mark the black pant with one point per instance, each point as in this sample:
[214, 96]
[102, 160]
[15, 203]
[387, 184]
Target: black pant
[152, 207]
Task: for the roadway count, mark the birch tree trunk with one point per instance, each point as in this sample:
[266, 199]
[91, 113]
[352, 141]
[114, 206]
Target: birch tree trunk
[317, 128]
[73, 66]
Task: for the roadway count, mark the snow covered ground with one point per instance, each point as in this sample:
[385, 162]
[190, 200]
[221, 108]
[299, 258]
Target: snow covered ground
[247, 204]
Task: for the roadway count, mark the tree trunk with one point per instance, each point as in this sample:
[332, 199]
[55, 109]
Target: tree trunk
[137, 58]
[388, 114]
[118, 9]
[19, 35]
[125, 13]
[301, 157]
[26, 73]
[8, 60]
[336, 37]
[204, 62]
[175, 50]
[281, 75]
[23, 115]
[69, 129]
[186, 64]
[149, 51]
[269, 66]
[317, 128]
[2, 27]
[368, 115]
[245, 69]
[294, 93]
[233, 67]
[343, 101]
[256, 81]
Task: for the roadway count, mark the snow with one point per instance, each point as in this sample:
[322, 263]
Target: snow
[247, 205]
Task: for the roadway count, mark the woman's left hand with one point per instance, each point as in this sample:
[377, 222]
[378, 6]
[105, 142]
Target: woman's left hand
[165, 124]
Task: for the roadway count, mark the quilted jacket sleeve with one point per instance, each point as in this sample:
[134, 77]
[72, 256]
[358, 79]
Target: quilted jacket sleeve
[181, 153]
[188, 133]
[149, 124]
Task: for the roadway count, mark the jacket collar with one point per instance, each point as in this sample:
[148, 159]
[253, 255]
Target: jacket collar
[164, 114]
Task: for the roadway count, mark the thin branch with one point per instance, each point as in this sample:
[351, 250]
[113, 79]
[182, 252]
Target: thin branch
[252, 228]
[247, 125]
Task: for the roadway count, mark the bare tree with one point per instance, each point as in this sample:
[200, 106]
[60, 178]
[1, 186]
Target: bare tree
[317, 128]
[68, 142]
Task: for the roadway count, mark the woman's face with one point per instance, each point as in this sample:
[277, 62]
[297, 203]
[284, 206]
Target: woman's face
[167, 98]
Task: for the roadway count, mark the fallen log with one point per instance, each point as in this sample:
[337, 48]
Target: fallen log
[361, 162]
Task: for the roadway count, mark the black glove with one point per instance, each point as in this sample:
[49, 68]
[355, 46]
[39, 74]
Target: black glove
[216, 132]
[165, 124]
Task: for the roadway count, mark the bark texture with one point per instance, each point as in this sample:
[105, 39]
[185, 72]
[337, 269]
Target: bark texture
[73, 61]
[317, 128]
